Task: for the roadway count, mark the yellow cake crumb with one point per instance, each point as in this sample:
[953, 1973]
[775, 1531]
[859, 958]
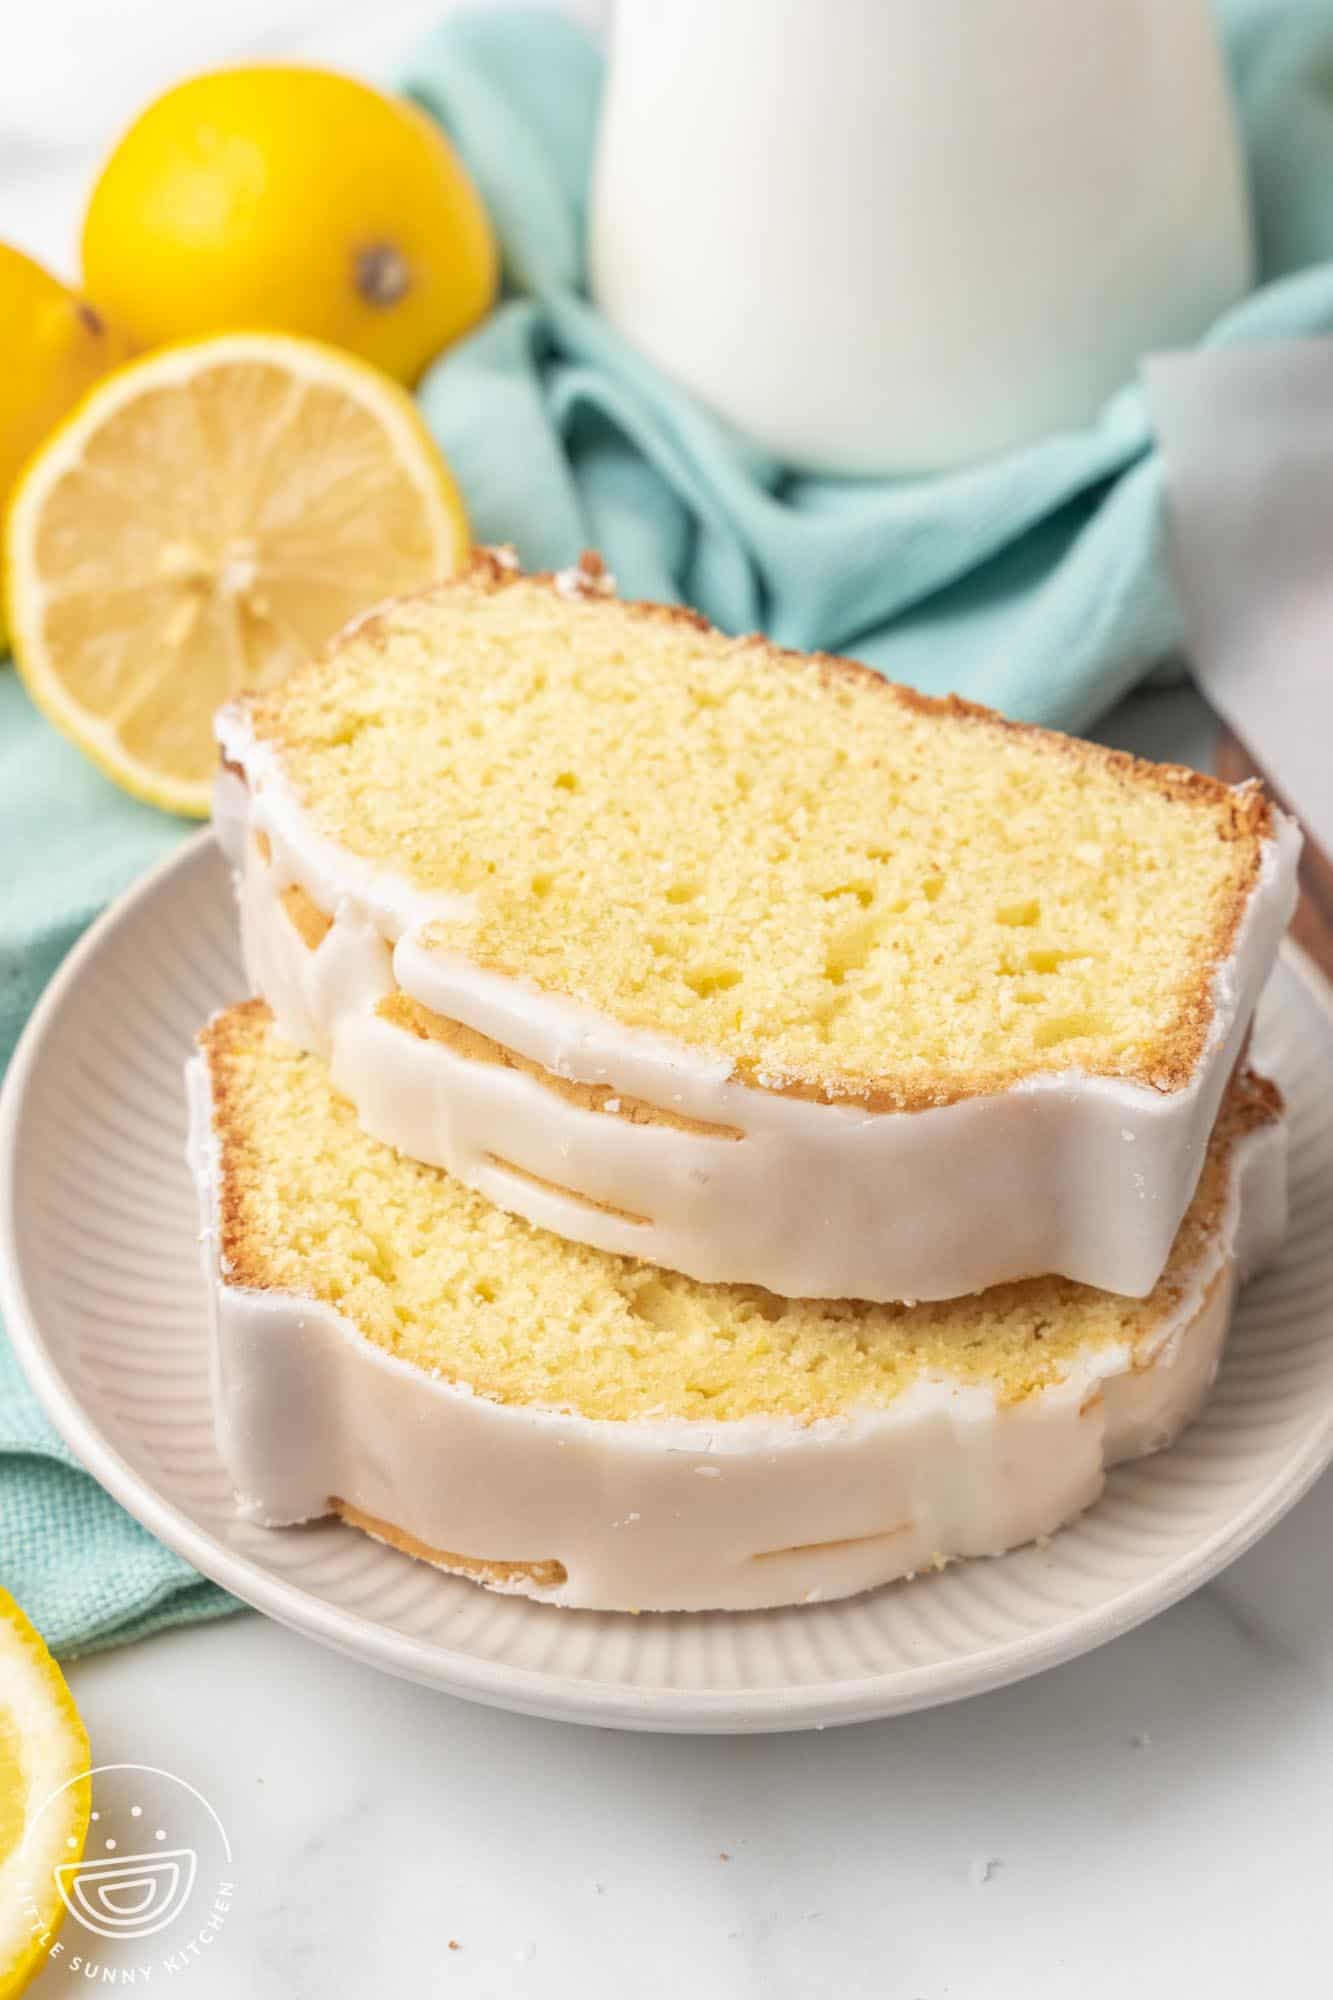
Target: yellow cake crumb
[846, 889]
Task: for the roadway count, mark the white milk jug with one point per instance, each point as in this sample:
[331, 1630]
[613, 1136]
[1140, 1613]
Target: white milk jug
[892, 235]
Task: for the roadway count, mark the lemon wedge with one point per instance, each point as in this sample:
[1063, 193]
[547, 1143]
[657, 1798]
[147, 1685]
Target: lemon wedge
[204, 521]
[45, 1795]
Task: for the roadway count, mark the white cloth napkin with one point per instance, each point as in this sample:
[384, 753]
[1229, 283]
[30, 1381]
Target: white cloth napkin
[1247, 438]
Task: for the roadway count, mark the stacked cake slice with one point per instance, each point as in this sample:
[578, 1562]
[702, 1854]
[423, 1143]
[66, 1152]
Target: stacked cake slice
[719, 1129]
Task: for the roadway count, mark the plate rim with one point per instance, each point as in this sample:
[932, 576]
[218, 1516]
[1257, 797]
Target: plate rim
[538, 1691]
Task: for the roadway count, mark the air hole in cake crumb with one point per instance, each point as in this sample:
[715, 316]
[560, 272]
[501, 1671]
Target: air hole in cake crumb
[483, 1289]
[1066, 1028]
[683, 892]
[863, 891]
[542, 885]
[932, 887]
[656, 1304]
[825, 1012]
[1019, 916]
[848, 950]
[567, 781]
[1049, 958]
[705, 980]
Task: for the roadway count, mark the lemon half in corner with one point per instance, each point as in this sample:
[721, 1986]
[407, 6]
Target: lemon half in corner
[203, 522]
[45, 1795]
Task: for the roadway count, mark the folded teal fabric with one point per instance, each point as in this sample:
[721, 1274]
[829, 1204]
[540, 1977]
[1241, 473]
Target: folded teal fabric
[86, 1574]
[1035, 581]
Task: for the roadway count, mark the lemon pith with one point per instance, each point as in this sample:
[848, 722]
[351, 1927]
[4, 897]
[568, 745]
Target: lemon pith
[204, 520]
[45, 1796]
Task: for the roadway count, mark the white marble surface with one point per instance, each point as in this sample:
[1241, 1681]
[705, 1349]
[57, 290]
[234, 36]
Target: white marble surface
[1153, 1819]
[1156, 1818]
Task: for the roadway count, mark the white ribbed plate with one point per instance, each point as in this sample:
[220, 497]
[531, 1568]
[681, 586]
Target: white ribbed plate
[102, 1296]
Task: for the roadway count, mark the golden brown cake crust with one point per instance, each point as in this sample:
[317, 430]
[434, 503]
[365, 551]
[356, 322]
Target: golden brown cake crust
[1245, 817]
[546, 1575]
[310, 923]
[401, 1011]
[242, 1259]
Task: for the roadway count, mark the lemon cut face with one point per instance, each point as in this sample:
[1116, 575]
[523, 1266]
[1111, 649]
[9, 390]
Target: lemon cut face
[205, 520]
[45, 1796]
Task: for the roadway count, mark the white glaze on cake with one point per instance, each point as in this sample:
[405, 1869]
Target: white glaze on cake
[673, 1514]
[1085, 1176]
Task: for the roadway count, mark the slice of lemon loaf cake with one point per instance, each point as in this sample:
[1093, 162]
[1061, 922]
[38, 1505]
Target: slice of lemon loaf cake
[593, 1430]
[747, 963]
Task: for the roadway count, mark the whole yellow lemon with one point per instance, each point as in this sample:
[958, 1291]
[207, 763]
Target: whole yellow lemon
[290, 200]
[55, 347]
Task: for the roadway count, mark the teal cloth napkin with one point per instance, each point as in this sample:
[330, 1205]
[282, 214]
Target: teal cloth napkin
[86, 1574]
[1035, 581]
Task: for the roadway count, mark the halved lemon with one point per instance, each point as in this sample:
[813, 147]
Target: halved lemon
[45, 1795]
[205, 520]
